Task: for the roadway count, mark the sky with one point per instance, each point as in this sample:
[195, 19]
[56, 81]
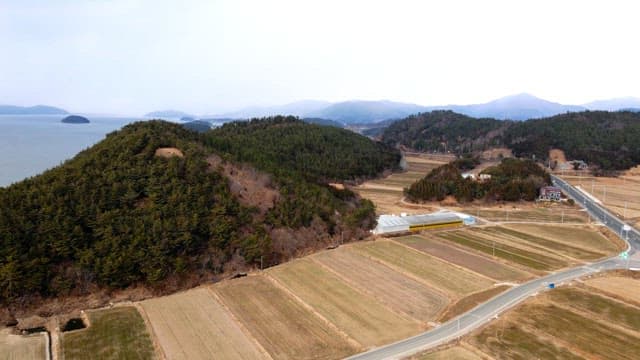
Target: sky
[209, 56]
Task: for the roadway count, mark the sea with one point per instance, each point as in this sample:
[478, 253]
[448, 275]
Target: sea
[31, 144]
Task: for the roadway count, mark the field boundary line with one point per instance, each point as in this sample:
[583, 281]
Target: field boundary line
[435, 288]
[233, 317]
[351, 341]
[369, 294]
[598, 319]
[568, 244]
[482, 256]
[152, 333]
[445, 261]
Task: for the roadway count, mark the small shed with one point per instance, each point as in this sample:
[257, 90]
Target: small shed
[551, 193]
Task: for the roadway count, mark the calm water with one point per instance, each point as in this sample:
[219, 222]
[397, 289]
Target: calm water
[31, 144]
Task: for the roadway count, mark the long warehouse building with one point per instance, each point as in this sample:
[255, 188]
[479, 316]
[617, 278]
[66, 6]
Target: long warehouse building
[392, 224]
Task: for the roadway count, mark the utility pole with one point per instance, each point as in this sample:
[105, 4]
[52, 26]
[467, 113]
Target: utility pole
[592, 187]
[624, 215]
[494, 247]
[562, 219]
[604, 198]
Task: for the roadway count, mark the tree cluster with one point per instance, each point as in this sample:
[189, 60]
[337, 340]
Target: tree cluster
[511, 180]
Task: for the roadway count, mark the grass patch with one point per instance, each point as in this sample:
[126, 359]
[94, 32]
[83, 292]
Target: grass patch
[452, 254]
[545, 244]
[438, 273]
[117, 333]
[18, 347]
[510, 341]
[503, 251]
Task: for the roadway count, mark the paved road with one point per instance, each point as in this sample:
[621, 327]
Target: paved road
[489, 310]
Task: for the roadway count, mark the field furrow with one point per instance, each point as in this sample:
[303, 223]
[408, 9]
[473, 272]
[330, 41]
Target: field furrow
[193, 325]
[284, 327]
[437, 273]
[395, 290]
[452, 254]
[361, 316]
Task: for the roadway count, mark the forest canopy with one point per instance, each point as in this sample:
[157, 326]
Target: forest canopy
[117, 214]
[607, 140]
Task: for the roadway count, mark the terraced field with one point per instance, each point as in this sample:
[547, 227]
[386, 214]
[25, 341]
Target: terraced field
[194, 325]
[361, 316]
[435, 272]
[494, 247]
[284, 327]
[18, 347]
[401, 293]
[455, 255]
[117, 333]
[387, 193]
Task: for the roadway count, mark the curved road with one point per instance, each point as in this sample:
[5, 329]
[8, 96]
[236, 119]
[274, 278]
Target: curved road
[489, 310]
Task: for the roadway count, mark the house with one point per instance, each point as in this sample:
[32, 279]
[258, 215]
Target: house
[550, 193]
[468, 176]
[578, 165]
[485, 177]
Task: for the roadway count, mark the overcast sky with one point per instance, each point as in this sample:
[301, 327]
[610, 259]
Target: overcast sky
[208, 56]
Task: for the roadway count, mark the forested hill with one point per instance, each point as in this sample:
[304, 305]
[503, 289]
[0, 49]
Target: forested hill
[147, 204]
[607, 140]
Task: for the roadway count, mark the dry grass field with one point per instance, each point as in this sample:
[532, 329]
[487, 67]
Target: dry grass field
[591, 238]
[387, 193]
[452, 353]
[194, 325]
[18, 347]
[361, 316]
[565, 323]
[117, 333]
[539, 214]
[400, 293]
[284, 327]
[455, 255]
[442, 275]
[490, 244]
[621, 195]
[619, 286]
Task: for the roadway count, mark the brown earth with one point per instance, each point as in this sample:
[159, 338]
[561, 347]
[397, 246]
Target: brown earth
[168, 152]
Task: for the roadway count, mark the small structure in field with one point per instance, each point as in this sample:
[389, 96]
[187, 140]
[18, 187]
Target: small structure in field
[393, 224]
[485, 177]
[469, 176]
[550, 193]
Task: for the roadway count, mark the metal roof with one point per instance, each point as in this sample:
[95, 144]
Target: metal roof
[393, 220]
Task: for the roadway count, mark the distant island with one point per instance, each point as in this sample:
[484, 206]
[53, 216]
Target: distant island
[168, 114]
[31, 110]
[75, 119]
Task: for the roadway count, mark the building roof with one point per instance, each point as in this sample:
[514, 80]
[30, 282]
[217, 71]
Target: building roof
[439, 217]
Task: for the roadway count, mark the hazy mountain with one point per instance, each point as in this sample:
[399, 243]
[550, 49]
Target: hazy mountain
[168, 114]
[359, 111]
[325, 122]
[31, 110]
[299, 108]
[514, 107]
[614, 104]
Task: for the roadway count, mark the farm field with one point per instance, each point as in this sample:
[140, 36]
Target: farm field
[565, 323]
[435, 272]
[387, 193]
[194, 325]
[456, 352]
[621, 195]
[18, 347]
[488, 244]
[619, 286]
[401, 293]
[455, 255]
[570, 322]
[591, 238]
[284, 327]
[117, 333]
[361, 316]
[531, 214]
[552, 248]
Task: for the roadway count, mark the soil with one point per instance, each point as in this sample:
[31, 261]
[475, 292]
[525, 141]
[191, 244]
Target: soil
[169, 152]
